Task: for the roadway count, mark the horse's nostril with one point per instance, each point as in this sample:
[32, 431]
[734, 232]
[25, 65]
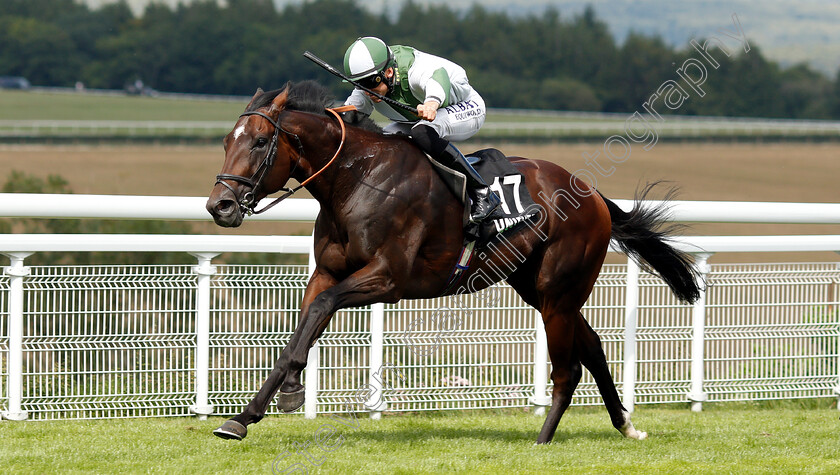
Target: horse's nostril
[225, 206]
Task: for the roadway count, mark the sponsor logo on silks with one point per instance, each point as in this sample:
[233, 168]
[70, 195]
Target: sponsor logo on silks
[468, 114]
[462, 106]
[504, 224]
[464, 110]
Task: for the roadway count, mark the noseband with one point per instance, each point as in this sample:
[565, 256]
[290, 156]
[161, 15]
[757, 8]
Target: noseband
[248, 202]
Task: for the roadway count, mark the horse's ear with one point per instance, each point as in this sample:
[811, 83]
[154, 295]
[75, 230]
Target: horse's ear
[279, 102]
[256, 95]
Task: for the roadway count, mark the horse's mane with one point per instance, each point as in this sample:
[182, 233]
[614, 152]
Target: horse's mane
[309, 96]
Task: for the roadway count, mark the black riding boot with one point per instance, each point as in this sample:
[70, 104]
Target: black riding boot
[484, 201]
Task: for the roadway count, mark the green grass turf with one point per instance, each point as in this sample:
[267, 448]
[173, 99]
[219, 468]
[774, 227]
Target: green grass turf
[20, 105]
[729, 439]
[33, 105]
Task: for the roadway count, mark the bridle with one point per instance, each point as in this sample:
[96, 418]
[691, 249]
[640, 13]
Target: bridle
[248, 202]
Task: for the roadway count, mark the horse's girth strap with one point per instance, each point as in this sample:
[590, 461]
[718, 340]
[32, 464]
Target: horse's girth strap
[461, 266]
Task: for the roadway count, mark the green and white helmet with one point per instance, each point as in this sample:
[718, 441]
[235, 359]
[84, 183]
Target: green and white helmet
[365, 57]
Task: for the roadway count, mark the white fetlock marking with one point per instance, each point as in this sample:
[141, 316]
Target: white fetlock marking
[630, 432]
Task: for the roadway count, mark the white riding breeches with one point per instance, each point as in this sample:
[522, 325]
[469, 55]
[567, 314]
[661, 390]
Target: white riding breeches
[456, 122]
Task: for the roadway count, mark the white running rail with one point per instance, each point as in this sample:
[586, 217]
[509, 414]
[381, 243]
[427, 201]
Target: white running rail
[192, 208]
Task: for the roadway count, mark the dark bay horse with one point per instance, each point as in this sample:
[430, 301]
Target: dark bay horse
[389, 229]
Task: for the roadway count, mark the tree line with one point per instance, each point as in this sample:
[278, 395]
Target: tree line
[550, 61]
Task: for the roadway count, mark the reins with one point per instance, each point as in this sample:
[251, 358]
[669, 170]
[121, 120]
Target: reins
[248, 202]
[335, 155]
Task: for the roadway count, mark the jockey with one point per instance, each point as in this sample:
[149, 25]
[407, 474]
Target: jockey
[449, 108]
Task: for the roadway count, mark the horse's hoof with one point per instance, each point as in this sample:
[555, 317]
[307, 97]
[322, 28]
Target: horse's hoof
[231, 430]
[290, 402]
[631, 433]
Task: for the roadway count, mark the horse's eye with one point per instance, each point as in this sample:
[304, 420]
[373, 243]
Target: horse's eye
[261, 142]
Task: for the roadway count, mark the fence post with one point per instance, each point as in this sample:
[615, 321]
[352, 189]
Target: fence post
[540, 400]
[16, 272]
[205, 271]
[837, 299]
[698, 317]
[310, 391]
[631, 315]
[377, 348]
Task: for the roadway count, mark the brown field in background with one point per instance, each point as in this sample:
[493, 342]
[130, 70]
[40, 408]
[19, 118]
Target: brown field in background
[802, 172]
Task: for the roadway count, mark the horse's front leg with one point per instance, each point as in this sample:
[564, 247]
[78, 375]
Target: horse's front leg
[369, 285]
[236, 427]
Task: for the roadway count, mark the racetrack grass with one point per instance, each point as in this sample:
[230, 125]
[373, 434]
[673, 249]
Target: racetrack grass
[733, 438]
[20, 105]
[23, 105]
[135, 117]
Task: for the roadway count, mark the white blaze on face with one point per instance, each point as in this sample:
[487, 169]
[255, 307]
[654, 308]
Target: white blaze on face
[239, 131]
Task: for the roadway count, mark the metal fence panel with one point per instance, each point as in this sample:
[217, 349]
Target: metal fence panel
[772, 331]
[108, 341]
[461, 352]
[119, 341]
[664, 344]
[254, 310]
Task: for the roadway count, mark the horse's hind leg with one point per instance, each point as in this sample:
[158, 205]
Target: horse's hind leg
[565, 367]
[560, 328]
[591, 353]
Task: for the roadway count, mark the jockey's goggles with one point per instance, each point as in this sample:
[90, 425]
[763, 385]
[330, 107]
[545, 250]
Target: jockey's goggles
[372, 81]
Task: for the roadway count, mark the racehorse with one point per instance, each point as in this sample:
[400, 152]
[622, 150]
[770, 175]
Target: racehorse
[389, 229]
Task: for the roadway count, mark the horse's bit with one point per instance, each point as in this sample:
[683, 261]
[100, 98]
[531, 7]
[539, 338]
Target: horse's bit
[248, 202]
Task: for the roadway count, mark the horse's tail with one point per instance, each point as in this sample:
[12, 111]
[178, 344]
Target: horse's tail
[639, 235]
